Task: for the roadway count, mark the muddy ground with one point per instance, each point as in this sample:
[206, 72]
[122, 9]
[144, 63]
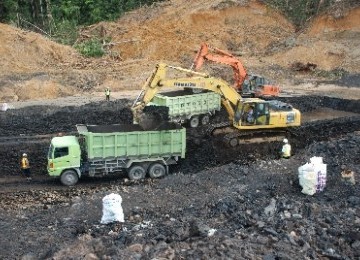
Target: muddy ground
[247, 194]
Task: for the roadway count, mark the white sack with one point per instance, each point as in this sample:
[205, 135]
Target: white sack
[320, 170]
[307, 179]
[316, 160]
[312, 176]
[4, 107]
[112, 209]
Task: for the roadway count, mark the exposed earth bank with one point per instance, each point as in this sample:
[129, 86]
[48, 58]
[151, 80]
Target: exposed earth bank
[263, 39]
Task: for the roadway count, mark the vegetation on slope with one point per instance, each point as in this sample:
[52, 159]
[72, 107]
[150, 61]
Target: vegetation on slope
[300, 11]
[60, 19]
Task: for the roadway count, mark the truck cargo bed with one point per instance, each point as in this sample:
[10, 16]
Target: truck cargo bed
[131, 141]
[124, 128]
[184, 104]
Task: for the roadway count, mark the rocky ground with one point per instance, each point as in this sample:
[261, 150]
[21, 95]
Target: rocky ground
[218, 203]
[242, 203]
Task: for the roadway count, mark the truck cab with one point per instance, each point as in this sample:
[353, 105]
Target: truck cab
[64, 155]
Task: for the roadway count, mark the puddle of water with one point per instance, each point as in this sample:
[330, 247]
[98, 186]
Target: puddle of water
[324, 114]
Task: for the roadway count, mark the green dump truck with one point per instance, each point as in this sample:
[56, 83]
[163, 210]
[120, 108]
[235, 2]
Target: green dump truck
[104, 149]
[187, 107]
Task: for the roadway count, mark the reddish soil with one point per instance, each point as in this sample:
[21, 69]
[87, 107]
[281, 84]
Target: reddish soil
[265, 41]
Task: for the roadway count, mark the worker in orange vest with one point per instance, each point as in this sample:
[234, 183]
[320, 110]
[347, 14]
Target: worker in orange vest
[25, 166]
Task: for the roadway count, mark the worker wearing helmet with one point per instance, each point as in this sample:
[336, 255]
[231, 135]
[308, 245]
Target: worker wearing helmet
[286, 149]
[107, 94]
[25, 166]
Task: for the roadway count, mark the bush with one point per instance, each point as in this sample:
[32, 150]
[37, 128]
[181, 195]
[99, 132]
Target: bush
[91, 48]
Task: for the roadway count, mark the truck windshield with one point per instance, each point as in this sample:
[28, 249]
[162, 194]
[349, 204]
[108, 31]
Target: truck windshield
[61, 151]
[50, 152]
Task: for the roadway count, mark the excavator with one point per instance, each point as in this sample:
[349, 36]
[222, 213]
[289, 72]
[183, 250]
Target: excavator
[247, 85]
[265, 115]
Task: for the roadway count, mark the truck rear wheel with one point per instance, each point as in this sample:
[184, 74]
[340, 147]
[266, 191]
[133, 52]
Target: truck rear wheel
[194, 121]
[205, 119]
[157, 170]
[69, 178]
[136, 172]
[233, 142]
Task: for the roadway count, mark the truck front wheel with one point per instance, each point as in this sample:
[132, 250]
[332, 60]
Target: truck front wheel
[136, 172]
[157, 170]
[69, 178]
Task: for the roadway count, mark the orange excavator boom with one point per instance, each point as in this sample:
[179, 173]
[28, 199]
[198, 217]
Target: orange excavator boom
[222, 57]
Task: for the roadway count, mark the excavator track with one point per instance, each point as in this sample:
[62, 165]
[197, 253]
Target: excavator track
[232, 137]
[255, 136]
[213, 127]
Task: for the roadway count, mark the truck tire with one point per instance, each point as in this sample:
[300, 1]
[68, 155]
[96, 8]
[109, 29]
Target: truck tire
[194, 121]
[69, 178]
[233, 142]
[136, 172]
[157, 170]
[205, 119]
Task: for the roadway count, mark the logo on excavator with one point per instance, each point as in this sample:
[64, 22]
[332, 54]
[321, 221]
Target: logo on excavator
[184, 84]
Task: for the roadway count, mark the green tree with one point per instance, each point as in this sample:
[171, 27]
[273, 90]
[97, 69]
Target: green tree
[61, 18]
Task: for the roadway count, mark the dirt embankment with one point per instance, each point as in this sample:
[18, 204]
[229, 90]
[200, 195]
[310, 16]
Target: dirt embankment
[34, 67]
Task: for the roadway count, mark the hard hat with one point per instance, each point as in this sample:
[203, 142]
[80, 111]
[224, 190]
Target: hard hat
[285, 141]
[24, 154]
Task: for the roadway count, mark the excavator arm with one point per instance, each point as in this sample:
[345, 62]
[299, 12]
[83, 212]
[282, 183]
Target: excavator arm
[267, 115]
[158, 80]
[222, 57]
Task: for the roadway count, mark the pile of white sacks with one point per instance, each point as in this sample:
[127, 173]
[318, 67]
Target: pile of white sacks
[312, 176]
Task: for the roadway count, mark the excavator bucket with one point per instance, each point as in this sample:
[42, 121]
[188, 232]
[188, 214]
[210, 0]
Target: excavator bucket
[152, 117]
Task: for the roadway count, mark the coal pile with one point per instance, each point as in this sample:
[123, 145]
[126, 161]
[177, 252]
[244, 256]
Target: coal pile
[47, 119]
[217, 203]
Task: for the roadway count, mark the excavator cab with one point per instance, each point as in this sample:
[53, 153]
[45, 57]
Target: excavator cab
[253, 112]
[258, 86]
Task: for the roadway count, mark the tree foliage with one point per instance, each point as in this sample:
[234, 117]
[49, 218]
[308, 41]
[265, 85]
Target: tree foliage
[91, 48]
[61, 18]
